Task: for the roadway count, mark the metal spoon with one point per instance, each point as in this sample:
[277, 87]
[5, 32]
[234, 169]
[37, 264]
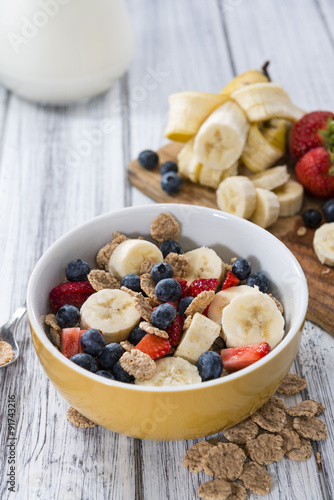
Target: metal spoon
[8, 331]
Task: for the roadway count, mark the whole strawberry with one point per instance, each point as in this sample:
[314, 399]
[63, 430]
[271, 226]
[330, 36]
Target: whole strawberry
[311, 131]
[315, 171]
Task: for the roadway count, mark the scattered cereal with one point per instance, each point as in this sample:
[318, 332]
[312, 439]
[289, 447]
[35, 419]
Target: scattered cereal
[148, 328]
[6, 353]
[127, 346]
[78, 419]
[265, 449]
[291, 384]
[187, 322]
[55, 337]
[100, 280]
[310, 428]
[269, 417]
[301, 231]
[217, 489]
[138, 364]
[278, 304]
[179, 263]
[291, 440]
[147, 284]
[275, 400]
[50, 320]
[318, 460]
[224, 460]
[243, 432]
[302, 453]
[193, 457]
[307, 408]
[143, 307]
[238, 492]
[146, 266]
[256, 478]
[200, 303]
[165, 227]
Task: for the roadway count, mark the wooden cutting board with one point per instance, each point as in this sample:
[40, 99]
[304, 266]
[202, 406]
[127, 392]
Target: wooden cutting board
[320, 278]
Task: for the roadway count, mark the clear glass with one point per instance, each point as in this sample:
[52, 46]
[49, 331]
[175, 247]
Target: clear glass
[63, 50]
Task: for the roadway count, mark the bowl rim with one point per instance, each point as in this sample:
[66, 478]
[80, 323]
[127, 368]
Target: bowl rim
[39, 331]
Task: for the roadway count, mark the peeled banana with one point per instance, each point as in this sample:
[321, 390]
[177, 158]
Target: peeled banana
[212, 177]
[172, 371]
[267, 208]
[205, 263]
[247, 78]
[188, 164]
[271, 178]
[323, 243]
[290, 197]
[223, 298]
[236, 195]
[129, 255]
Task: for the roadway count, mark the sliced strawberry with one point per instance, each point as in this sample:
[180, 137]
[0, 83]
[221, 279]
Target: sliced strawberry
[74, 293]
[184, 288]
[70, 341]
[202, 285]
[175, 330]
[236, 358]
[230, 280]
[156, 347]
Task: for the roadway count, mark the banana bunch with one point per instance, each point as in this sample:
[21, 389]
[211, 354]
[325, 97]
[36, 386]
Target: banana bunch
[245, 124]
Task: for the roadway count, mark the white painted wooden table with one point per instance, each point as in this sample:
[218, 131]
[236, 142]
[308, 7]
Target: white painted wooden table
[51, 181]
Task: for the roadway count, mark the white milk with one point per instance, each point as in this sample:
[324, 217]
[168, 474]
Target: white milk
[63, 50]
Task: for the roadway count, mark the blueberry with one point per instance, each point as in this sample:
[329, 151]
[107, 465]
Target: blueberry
[131, 281]
[163, 316]
[77, 270]
[312, 217]
[328, 210]
[104, 373]
[148, 159]
[209, 365]
[183, 304]
[110, 355]
[67, 316]
[171, 182]
[136, 335]
[169, 246]
[85, 361]
[161, 271]
[258, 279]
[121, 375]
[168, 166]
[168, 290]
[241, 268]
[92, 342]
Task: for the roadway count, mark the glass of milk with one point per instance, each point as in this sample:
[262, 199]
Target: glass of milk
[59, 51]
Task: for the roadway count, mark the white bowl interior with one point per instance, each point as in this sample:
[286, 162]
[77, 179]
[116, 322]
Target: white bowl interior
[230, 236]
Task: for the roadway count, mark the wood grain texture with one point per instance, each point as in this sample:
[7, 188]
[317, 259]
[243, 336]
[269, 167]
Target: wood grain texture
[320, 278]
[44, 191]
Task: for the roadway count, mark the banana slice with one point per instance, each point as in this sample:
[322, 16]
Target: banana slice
[290, 197]
[237, 196]
[272, 178]
[187, 111]
[198, 338]
[260, 151]
[263, 101]
[111, 311]
[247, 78]
[204, 263]
[267, 208]
[323, 243]
[221, 139]
[128, 256]
[252, 318]
[172, 371]
[223, 298]
[212, 177]
[187, 162]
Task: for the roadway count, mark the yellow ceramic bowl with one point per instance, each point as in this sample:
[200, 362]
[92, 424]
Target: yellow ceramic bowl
[178, 412]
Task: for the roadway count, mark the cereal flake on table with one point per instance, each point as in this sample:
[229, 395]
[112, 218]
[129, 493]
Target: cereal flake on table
[242, 432]
[224, 460]
[291, 384]
[310, 428]
[153, 330]
[256, 478]
[308, 408]
[200, 303]
[302, 453]
[78, 419]
[275, 400]
[138, 364]
[265, 449]
[100, 280]
[193, 457]
[179, 263]
[291, 440]
[165, 227]
[6, 353]
[216, 489]
[270, 417]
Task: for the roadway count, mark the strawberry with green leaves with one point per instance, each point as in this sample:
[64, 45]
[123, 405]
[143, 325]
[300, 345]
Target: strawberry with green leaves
[312, 131]
[315, 171]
